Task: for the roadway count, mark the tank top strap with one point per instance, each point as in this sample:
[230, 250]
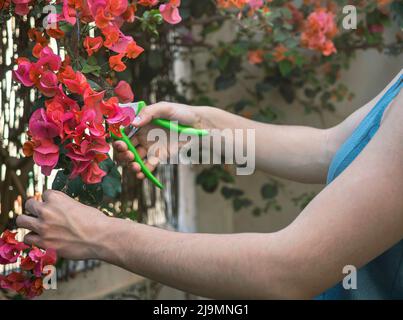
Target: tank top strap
[385, 101]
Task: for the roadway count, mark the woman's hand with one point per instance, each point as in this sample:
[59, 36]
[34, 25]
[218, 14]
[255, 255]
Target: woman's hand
[196, 117]
[67, 226]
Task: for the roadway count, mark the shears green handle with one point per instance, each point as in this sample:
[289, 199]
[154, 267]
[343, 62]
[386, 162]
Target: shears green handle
[173, 126]
[161, 123]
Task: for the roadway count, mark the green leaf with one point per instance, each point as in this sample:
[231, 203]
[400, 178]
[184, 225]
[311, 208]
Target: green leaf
[60, 181]
[240, 203]
[229, 193]
[224, 82]
[269, 191]
[285, 67]
[89, 68]
[111, 184]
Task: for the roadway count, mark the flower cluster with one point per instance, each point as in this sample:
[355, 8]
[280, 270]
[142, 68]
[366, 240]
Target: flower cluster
[76, 117]
[80, 129]
[240, 4]
[319, 30]
[33, 260]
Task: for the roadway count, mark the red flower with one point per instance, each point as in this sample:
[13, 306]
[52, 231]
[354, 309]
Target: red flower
[170, 11]
[112, 35]
[133, 50]
[93, 174]
[10, 248]
[148, 3]
[115, 62]
[93, 44]
[124, 92]
[78, 84]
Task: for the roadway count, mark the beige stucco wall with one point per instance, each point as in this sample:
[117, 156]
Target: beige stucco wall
[369, 74]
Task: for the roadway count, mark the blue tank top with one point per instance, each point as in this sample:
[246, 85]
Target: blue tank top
[382, 278]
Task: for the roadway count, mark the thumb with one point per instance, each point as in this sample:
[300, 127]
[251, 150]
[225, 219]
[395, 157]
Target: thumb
[153, 111]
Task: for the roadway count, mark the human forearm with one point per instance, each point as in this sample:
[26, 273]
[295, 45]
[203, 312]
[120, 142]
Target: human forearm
[293, 152]
[215, 266]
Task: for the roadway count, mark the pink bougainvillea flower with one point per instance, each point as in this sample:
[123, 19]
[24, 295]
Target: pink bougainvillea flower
[93, 174]
[170, 11]
[124, 92]
[41, 127]
[89, 121]
[21, 7]
[121, 45]
[33, 288]
[68, 13]
[49, 59]
[256, 4]
[22, 73]
[92, 45]
[42, 259]
[14, 281]
[46, 155]
[48, 84]
[122, 116]
[133, 50]
[85, 158]
[10, 248]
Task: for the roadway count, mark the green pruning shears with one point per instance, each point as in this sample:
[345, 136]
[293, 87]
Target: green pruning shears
[167, 124]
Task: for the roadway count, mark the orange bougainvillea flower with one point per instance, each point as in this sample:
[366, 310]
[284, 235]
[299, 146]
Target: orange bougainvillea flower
[36, 51]
[148, 3]
[232, 3]
[55, 33]
[319, 31]
[279, 53]
[116, 63]
[130, 14]
[37, 36]
[256, 56]
[28, 148]
[102, 20]
[111, 34]
[133, 50]
[92, 45]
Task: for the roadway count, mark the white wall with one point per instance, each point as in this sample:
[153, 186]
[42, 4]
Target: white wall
[369, 74]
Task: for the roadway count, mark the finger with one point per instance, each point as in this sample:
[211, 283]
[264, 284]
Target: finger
[33, 239]
[33, 207]
[135, 167]
[27, 222]
[151, 164]
[120, 146]
[140, 176]
[52, 195]
[142, 152]
[158, 110]
[125, 157]
[135, 141]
